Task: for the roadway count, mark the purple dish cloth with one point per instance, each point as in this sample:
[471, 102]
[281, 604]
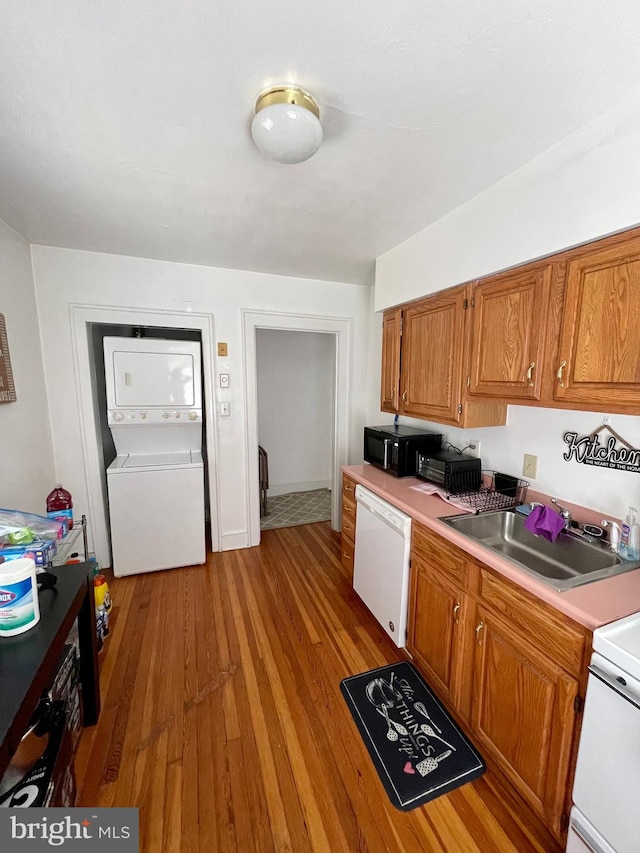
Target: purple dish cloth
[545, 522]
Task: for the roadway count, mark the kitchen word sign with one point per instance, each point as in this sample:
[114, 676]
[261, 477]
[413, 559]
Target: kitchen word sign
[615, 452]
[7, 388]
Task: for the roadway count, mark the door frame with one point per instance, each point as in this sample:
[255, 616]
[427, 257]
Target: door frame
[341, 331]
[82, 316]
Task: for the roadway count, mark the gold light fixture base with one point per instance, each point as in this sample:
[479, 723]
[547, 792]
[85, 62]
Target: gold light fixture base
[287, 95]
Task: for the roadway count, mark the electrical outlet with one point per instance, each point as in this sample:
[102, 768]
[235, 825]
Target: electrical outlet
[474, 447]
[530, 466]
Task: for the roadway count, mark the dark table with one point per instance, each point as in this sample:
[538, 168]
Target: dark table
[28, 661]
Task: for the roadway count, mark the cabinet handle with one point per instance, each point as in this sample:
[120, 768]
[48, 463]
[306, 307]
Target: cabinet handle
[348, 488]
[456, 611]
[530, 373]
[404, 396]
[563, 364]
[478, 629]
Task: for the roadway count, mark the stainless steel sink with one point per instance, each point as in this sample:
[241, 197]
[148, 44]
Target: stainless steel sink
[568, 562]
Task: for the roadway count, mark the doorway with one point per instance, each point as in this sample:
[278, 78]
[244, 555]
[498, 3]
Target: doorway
[295, 395]
[84, 318]
[340, 332]
[99, 331]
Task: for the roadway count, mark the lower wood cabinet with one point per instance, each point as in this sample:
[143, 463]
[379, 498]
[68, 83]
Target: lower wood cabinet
[523, 714]
[437, 642]
[510, 668]
[348, 544]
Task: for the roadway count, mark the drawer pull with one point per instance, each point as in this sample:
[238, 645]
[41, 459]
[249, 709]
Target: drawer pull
[478, 630]
[456, 612]
[563, 364]
[530, 373]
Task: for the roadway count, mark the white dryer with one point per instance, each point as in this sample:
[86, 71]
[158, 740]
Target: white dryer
[156, 482]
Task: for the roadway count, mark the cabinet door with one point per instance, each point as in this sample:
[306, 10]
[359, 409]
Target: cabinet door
[599, 352]
[523, 714]
[391, 342]
[508, 321]
[436, 625]
[432, 356]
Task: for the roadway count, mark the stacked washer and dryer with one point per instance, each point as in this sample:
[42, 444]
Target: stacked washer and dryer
[156, 482]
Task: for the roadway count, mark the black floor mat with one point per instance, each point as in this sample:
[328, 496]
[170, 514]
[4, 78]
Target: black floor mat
[417, 749]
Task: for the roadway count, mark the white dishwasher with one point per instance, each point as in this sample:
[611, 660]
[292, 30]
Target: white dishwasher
[381, 565]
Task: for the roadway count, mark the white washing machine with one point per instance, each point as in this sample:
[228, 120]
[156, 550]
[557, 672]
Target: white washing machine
[156, 482]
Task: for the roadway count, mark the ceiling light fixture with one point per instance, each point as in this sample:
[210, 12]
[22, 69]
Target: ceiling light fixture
[286, 125]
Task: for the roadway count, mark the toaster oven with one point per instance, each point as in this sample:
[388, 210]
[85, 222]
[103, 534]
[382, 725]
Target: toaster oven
[456, 472]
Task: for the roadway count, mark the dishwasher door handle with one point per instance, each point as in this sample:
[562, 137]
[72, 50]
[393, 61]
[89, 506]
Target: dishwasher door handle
[617, 686]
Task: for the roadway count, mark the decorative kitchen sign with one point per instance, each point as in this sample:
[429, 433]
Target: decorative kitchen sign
[7, 388]
[596, 449]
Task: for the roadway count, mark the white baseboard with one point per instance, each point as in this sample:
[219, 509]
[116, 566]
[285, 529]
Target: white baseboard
[235, 540]
[286, 488]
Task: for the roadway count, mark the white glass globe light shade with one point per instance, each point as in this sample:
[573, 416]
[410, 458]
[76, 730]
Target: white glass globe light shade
[287, 131]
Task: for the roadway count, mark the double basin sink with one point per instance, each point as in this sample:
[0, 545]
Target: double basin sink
[570, 561]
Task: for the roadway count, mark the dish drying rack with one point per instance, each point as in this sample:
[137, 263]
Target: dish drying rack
[498, 491]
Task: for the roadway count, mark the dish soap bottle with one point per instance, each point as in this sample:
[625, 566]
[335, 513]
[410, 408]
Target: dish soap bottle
[630, 536]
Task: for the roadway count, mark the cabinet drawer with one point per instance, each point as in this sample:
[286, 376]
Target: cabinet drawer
[348, 509]
[551, 631]
[346, 554]
[434, 550]
[348, 489]
[349, 526]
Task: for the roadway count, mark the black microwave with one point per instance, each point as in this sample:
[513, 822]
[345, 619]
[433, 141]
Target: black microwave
[395, 448]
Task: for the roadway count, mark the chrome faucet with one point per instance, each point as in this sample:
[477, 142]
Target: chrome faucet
[564, 512]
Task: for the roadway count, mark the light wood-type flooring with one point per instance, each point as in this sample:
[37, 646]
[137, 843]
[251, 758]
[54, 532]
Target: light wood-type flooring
[222, 718]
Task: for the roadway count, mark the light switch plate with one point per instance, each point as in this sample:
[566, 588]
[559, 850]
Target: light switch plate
[530, 466]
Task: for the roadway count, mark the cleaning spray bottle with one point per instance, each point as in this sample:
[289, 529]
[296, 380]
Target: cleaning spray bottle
[630, 536]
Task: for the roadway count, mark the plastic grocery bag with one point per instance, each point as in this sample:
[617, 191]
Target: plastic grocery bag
[15, 524]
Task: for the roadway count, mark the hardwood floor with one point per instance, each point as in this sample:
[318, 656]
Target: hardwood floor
[223, 720]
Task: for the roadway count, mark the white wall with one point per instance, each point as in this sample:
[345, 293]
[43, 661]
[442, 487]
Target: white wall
[295, 374]
[64, 276]
[539, 432]
[585, 187]
[26, 456]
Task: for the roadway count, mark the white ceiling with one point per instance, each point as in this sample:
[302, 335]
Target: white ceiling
[124, 125]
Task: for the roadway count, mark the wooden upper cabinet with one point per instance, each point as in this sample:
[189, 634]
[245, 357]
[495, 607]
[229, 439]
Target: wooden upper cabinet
[508, 325]
[561, 332]
[433, 338]
[390, 378]
[598, 360]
